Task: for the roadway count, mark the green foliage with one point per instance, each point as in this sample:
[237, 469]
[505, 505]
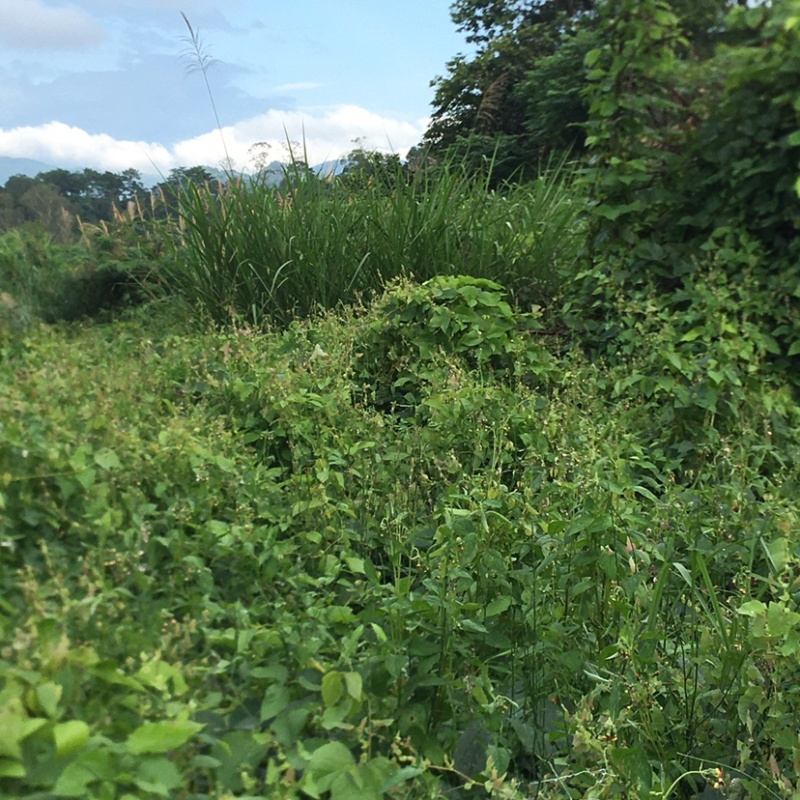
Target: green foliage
[243, 578]
[481, 107]
[261, 256]
[32, 268]
[522, 94]
[429, 542]
[694, 165]
[45, 281]
[748, 150]
[53, 199]
[459, 317]
[631, 72]
[364, 168]
[555, 106]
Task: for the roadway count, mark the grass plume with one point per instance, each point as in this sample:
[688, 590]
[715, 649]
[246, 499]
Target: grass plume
[198, 59]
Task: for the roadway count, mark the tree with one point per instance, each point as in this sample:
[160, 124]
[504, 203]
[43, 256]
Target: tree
[180, 176]
[50, 210]
[69, 184]
[694, 167]
[483, 106]
[364, 167]
[521, 95]
[94, 194]
[89, 194]
[11, 214]
[178, 180]
[131, 185]
[485, 20]
[17, 185]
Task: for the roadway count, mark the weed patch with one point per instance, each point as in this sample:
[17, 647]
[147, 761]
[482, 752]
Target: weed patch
[243, 576]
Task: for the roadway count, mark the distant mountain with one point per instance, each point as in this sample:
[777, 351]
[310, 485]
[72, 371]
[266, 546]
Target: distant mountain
[21, 166]
[328, 168]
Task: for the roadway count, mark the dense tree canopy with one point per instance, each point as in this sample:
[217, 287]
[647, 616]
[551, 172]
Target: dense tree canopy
[55, 199]
[521, 94]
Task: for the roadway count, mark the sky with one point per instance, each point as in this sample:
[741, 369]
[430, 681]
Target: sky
[108, 84]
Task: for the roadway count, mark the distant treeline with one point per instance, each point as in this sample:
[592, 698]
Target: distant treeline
[59, 201]
[55, 200]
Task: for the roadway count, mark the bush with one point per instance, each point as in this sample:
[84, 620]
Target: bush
[54, 283]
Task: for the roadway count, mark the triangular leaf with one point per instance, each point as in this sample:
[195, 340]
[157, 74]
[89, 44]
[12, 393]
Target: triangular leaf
[107, 459]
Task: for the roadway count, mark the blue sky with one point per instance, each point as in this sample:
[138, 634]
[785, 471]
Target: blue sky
[102, 83]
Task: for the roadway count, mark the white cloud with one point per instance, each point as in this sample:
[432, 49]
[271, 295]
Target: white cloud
[324, 133]
[68, 146]
[321, 133]
[30, 24]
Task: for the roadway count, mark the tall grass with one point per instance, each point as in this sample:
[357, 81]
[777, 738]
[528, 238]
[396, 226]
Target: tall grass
[266, 255]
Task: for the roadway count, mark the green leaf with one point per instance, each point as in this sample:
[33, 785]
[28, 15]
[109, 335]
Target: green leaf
[276, 698]
[326, 764]
[791, 645]
[498, 606]
[48, 695]
[684, 573]
[471, 625]
[592, 57]
[355, 565]
[332, 688]
[405, 774]
[166, 678]
[74, 781]
[288, 725]
[614, 212]
[641, 490]
[161, 737]
[11, 769]
[70, 737]
[633, 764]
[693, 334]
[780, 619]
[334, 716]
[779, 552]
[157, 775]
[16, 728]
[752, 608]
[354, 685]
[380, 634]
[107, 459]
[378, 774]
[86, 477]
[330, 757]
[88, 767]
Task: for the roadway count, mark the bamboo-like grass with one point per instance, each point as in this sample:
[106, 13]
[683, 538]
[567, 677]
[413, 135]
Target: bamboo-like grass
[261, 255]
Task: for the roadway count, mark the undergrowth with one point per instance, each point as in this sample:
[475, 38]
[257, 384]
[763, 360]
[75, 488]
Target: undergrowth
[247, 564]
[378, 536]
